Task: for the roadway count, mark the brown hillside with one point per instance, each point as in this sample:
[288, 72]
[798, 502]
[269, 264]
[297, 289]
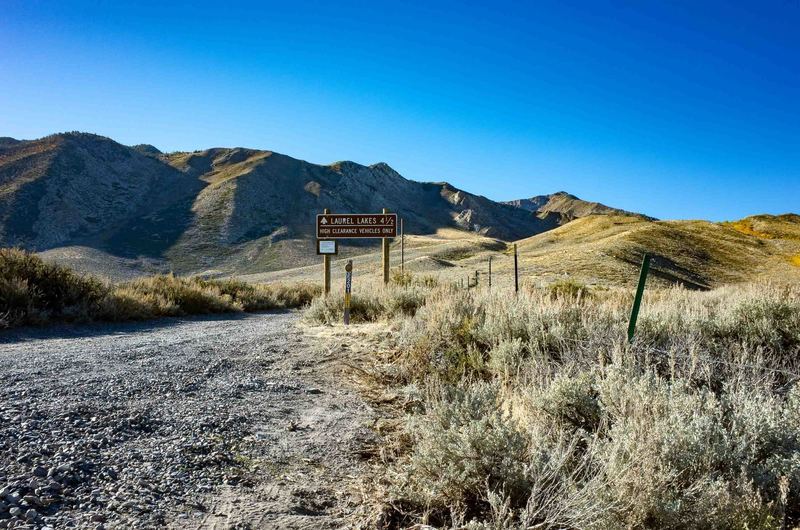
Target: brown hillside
[224, 210]
[609, 249]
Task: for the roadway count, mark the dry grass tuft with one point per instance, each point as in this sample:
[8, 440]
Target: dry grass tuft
[35, 292]
[570, 289]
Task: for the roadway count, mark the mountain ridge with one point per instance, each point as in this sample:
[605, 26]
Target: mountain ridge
[568, 205]
[201, 208]
[86, 200]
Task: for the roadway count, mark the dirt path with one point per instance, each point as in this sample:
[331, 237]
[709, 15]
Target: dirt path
[216, 422]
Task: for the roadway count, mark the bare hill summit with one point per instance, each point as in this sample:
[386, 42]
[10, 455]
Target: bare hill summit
[568, 206]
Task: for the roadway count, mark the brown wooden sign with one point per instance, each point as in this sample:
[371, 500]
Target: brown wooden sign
[356, 225]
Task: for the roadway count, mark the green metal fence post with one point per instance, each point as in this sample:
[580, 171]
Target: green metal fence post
[637, 301]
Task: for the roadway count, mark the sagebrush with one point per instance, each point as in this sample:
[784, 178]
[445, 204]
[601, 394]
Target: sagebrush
[533, 411]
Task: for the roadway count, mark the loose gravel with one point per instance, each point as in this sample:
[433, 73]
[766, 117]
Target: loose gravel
[213, 422]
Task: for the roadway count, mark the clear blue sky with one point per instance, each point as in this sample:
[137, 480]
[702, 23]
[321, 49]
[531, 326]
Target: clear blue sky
[676, 109]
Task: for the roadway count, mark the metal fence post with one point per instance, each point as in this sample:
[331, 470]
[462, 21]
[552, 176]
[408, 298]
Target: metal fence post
[637, 301]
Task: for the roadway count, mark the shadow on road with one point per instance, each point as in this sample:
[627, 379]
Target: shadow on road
[98, 329]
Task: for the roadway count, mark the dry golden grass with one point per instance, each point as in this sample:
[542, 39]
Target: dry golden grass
[35, 292]
[746, 227]
[607, 250]
[599, 250]
[785, 226]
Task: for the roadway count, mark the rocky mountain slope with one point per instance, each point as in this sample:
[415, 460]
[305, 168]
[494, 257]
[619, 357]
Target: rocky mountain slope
[217, 209]
[85, 189]
[255, 201]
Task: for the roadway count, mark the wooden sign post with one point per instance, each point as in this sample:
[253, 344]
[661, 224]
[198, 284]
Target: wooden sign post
[326, 264]
[385, 253]
[402, 248]
[348, 282]
[357, 225]
[490, 272]
[516, 271]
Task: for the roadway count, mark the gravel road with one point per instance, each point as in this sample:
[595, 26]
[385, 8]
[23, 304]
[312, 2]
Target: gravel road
[212, 422]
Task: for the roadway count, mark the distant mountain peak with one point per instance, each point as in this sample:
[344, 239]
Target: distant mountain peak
[79, 136]
[564, 194]
[147, 149]
[344, 165]
[567, 205]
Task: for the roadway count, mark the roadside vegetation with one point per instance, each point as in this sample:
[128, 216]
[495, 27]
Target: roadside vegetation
[371, 301]
[369, 306]
[35, 292]
[532, 411]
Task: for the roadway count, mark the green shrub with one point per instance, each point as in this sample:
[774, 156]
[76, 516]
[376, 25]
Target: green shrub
[404, 302]
[474, 465]
[428, 281]
[680, 453]
[770, 324]
[506, 358]
[261, 297]
[330, 309]
[125, 303]
[191, 296]
[284, 295]
[443, 336]
[572, 400]
[17, 302]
